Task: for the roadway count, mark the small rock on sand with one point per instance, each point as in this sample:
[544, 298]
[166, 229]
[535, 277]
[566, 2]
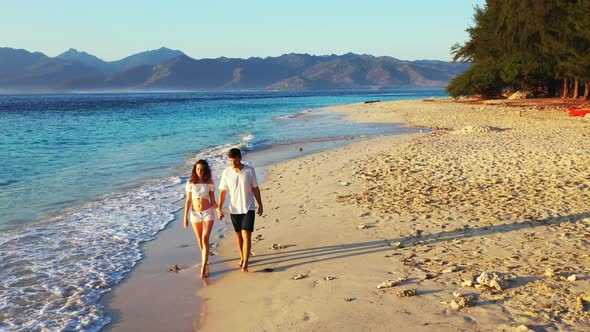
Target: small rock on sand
[523, 328]
[467, 283]
[406, 292]
[386, 284]
[175, 268]
[461, 302]
[299, 276]
[573, 277]
[427, 276]
[451, 269]
[473, 129]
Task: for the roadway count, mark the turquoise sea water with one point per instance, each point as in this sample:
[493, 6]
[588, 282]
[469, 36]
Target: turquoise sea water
[105, 170]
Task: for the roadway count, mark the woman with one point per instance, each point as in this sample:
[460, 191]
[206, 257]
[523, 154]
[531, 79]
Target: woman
[199, 208]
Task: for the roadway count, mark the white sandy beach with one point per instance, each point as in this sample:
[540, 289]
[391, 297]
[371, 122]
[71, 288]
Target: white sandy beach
[492, 189]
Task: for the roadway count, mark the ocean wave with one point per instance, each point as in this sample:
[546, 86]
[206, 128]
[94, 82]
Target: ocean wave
[293, 116]
[53, 272]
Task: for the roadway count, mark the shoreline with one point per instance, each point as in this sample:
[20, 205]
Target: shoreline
[127, 309]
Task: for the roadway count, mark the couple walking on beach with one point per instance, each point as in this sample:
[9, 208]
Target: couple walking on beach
[240, 181]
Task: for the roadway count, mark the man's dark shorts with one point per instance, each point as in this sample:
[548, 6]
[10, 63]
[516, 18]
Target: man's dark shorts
[243, 222]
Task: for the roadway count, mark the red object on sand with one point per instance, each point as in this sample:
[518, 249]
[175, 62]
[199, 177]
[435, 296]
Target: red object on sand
[577, 112]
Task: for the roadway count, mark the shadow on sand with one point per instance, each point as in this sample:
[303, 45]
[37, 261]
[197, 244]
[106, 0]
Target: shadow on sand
[284, 260]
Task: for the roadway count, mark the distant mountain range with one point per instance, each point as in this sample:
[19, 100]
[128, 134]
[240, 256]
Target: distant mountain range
[166, 69]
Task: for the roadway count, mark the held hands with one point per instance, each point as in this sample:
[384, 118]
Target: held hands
[220, 214]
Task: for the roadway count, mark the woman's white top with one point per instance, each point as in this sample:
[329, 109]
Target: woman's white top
[199, 190]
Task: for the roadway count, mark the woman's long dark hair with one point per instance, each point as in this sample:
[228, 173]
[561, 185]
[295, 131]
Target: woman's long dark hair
[207, 172]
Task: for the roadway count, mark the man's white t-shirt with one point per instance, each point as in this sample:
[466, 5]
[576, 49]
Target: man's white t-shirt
[239, 186]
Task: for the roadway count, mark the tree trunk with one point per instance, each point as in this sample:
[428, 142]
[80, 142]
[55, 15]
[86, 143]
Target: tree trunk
[576, 89]
[551, 88]
[587, 91]
[566, 88]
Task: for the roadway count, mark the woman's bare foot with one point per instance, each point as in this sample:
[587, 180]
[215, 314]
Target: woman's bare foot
[245, 269]
[240, 265]
[205, 271]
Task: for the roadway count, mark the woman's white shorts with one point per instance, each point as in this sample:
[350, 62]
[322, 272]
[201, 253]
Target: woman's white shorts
[205, 215]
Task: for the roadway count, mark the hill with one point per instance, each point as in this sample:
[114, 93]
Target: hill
[166, 69]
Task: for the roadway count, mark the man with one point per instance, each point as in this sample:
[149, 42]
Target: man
[240, 181]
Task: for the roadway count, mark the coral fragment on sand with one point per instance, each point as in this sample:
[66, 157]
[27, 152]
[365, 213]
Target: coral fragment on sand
[489, 280]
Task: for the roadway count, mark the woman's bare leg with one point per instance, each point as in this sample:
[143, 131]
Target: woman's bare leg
[198, 228]
[207, 226]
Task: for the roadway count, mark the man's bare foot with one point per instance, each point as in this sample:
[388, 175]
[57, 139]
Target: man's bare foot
[245, 269]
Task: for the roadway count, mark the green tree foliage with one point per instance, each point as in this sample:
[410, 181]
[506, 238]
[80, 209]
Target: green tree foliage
[524, 45]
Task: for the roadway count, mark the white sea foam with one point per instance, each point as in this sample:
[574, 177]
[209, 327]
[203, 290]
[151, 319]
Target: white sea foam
[53, 273]
[293, 116]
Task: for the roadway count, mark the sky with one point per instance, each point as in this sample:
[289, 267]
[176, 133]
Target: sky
[114, 29]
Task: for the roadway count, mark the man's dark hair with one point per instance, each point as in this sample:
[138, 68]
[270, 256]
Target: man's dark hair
[234, 153]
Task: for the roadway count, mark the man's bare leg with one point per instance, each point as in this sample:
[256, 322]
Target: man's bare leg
[247, 244]
[240, 241]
